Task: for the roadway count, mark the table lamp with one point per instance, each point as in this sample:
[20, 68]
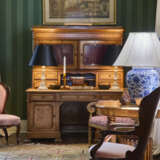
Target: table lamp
[43, 56]
[142, 52]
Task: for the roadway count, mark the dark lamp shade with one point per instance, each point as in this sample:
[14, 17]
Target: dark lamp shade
[42, 56]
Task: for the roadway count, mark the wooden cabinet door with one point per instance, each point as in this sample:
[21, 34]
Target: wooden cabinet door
[98, 54]
[42, 116]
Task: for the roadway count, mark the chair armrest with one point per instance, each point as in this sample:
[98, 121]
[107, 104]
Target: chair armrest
[91, 108]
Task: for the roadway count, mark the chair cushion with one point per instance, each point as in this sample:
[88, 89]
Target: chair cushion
[123, 121]
[99, 120]
[112, 150]
[9, 120]
[103, 121]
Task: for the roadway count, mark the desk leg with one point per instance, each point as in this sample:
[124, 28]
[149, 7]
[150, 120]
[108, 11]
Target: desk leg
[57, 121]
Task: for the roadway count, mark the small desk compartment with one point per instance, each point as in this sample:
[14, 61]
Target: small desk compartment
[78, 79]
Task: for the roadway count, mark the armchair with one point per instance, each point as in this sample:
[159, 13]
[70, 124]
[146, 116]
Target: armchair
[100, 122]
[7, 120]
[108, 151]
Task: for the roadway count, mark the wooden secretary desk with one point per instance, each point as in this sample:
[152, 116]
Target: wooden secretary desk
[89, 51]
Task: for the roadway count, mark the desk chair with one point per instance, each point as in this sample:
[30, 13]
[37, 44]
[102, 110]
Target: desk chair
[108, 151]
[7, 120]
[100, 122]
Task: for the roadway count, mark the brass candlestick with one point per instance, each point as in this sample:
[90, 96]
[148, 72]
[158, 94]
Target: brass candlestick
[64, 80]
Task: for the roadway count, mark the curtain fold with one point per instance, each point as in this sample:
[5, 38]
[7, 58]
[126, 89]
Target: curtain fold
[156, 125]
[157, 24]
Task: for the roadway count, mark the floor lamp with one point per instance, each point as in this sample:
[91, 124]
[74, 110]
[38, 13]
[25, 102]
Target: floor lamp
[43, 56]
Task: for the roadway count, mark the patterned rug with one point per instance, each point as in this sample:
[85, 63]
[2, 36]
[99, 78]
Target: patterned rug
[37, 151]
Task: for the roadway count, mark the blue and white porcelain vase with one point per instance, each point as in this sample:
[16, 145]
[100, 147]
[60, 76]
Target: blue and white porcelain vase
[158, 70]
[142, 81]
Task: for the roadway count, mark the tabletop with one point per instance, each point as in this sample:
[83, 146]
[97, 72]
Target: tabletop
[105, 108]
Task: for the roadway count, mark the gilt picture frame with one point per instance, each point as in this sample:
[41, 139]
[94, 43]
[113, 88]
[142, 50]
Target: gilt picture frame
[79, 12]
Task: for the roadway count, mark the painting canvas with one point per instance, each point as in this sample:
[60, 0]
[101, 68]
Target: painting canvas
[79, 12]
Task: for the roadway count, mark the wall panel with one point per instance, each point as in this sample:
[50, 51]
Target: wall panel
[16, 19]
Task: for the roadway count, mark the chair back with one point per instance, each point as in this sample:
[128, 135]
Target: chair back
[146, 115]
[4, 92]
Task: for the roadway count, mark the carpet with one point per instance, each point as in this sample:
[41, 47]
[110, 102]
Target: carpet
[38, 151]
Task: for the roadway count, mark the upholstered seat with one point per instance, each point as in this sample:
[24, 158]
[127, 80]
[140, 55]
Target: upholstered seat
[102, 121]
[113, 150]
[7, 120]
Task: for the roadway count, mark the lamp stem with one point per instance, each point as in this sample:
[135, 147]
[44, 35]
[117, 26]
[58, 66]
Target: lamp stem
[43, 78]
[115, 85]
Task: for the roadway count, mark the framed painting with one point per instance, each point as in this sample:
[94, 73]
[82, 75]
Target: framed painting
[79, 12]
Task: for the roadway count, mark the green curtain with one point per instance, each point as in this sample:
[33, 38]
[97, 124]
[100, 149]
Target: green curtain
[16, 19]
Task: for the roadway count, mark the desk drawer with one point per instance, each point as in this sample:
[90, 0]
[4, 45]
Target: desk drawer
[110, 96]
[49, 75]
[76, 97]
[108, 75]
[42, 97]
[67, 97]
[87, 98]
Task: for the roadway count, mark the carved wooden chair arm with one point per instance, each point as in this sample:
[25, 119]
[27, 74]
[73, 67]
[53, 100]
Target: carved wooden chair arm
[91, 108]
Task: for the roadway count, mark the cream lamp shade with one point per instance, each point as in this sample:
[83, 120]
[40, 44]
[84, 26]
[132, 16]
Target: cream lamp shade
[142, 49]
[142, 52]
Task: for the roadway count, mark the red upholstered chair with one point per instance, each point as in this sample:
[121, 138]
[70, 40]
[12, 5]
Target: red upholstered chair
[108, 151]
[7, 120]
[100, 122]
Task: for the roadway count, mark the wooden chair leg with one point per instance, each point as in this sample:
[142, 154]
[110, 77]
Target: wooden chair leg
[148, 152]
[89, 135]
[6, 134]
[97, 135]
[17, 133]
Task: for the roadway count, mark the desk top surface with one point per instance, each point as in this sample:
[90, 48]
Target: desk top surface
[73, 90]
[125, 110]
